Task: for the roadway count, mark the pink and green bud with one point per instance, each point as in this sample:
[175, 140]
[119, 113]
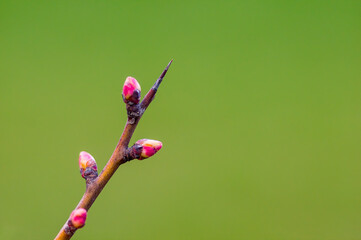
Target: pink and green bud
[149, 147]
[131, 91]
[78, 217]
[87, 164]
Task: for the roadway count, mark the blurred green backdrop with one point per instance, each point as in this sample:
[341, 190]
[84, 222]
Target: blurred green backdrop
[259, 115]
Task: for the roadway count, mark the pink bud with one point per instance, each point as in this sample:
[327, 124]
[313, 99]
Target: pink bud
[131, 91]
[78, 217]
[86, 161]
[150, 147]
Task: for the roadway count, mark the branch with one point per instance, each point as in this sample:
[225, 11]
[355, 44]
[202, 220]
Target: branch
[140, 150]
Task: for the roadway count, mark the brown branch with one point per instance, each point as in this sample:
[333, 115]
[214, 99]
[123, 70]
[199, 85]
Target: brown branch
[121, 155]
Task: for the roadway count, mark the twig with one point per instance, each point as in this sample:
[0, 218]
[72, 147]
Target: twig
[122, 154]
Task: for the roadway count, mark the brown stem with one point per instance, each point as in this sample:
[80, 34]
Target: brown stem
[150, 95]
[120, 155]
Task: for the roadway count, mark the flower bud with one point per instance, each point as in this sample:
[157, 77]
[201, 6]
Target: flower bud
[87, 164]
[149, 147]
[78, 217]
[131, 91]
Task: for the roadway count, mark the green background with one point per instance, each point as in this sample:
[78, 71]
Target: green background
[260, 117]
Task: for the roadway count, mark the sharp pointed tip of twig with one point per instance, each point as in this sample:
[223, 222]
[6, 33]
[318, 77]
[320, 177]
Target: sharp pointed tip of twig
[169, 64]
[166, 69]
[158, 82]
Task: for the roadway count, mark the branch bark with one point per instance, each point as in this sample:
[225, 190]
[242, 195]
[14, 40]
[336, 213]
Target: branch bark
[120, 155]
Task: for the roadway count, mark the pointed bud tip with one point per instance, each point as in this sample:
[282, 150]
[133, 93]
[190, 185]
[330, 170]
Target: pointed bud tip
[150, 147]
[131, 90]
[78, 217]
